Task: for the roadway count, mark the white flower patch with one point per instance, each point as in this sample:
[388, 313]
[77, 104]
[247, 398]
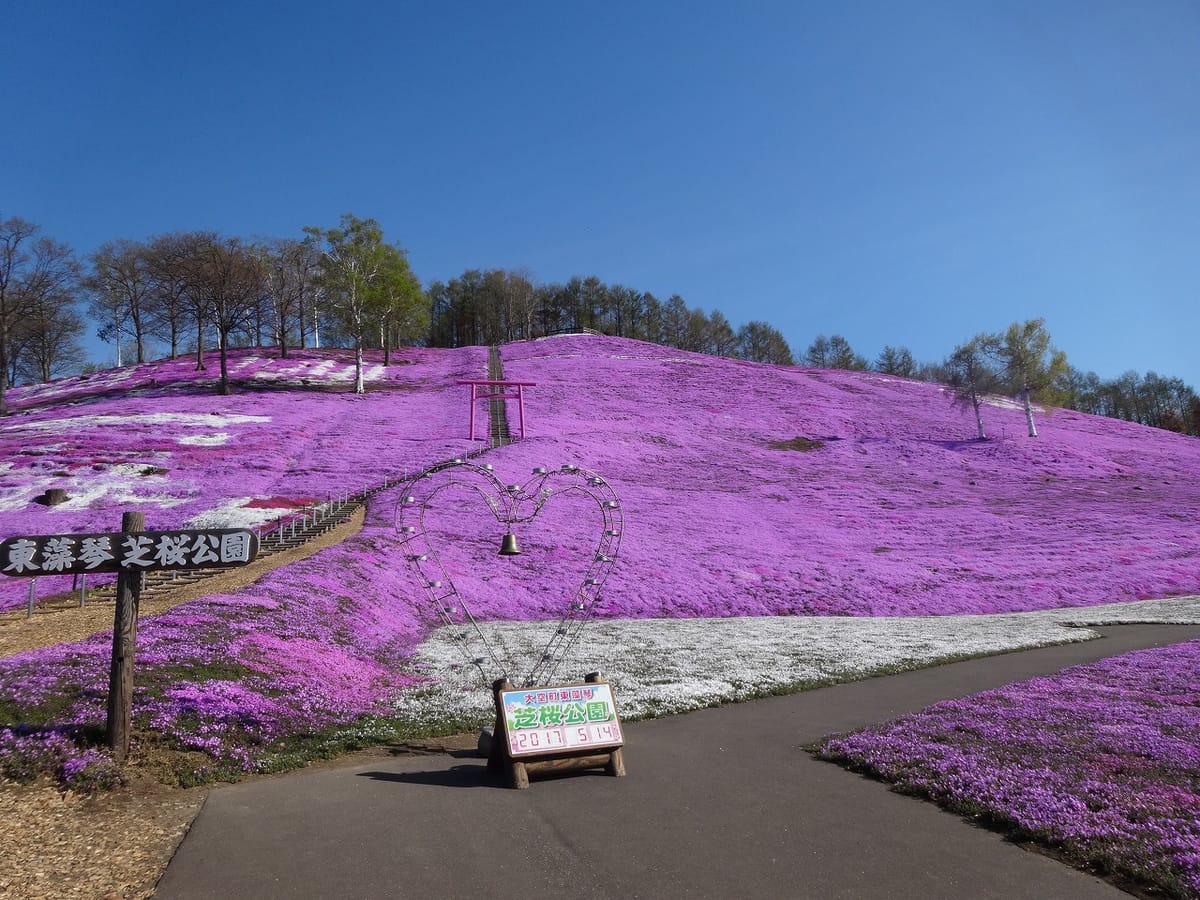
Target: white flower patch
[1009, 403]
[123, 483]
[323, 368]
[233, 514]
[66, 385]
[205, 440]
[181, 420]
[18, 498]
[246, 363]
[663, 666]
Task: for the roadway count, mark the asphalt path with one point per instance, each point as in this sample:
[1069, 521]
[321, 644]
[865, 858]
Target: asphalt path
[717, 803]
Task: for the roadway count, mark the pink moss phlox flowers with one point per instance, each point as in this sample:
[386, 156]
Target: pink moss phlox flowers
[1101, 761]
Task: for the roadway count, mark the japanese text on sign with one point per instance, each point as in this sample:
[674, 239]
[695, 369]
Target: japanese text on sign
[70, 554]
[548, 720]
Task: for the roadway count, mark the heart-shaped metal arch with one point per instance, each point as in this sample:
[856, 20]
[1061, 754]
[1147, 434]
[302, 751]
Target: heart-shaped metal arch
[507, 503]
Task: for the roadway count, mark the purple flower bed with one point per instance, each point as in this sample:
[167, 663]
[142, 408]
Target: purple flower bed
[1099, 762]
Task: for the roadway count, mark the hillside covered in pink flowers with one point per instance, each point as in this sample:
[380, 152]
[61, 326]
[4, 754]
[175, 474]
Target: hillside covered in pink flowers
[884, 506]
[746, 490]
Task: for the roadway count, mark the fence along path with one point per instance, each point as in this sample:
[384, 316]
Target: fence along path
[288, 532]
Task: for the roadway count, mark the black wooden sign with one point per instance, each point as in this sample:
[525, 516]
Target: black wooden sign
[67, 554]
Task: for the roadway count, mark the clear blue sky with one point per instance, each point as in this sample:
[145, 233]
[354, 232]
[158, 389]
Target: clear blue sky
[908, 173]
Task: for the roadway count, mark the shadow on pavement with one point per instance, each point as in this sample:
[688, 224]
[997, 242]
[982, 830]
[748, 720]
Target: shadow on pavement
[455, 776]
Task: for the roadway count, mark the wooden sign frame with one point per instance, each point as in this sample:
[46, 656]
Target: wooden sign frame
[73, 554]
[592, 739]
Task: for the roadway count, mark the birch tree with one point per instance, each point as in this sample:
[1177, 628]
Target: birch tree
[352, 261]
[1031, 364]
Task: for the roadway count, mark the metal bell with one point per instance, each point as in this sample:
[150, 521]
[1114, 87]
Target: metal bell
[508, 546]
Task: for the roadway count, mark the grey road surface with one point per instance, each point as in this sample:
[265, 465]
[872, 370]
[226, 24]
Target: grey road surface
[721, 803]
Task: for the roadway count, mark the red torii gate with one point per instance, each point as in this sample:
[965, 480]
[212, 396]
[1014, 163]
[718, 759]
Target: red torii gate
[498, 392]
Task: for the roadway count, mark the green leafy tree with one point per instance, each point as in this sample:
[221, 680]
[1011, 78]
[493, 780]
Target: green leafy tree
[353, 261]
[842, 355]
[1031, 365]
[397, 302]
[760, 342]
[896, 361]
[972, 374]
[818, 355]
[722, 339]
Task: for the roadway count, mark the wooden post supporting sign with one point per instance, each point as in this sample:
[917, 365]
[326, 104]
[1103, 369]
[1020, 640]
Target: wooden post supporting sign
[130, 553]
[120, 676]
[541, 730]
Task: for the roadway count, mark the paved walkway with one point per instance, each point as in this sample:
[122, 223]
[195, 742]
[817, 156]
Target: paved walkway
[717, 803]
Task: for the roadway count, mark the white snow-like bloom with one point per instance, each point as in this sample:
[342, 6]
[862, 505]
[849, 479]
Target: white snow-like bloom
[1009, 403]
[120, 483]
[246, 363]
[661, 666]
[182, 420]
[205, 440]
[235, 514]
[134, 483]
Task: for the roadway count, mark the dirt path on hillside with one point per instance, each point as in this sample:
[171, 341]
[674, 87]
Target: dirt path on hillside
[51, 625]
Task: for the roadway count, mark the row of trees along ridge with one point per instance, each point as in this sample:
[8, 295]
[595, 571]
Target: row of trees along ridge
[346, 286]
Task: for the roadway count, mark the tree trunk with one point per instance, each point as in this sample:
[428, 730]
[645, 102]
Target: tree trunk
[199, 344]
[359, 387]
[1028, 412]
[283, 347]
[3, 368]
[223, 342]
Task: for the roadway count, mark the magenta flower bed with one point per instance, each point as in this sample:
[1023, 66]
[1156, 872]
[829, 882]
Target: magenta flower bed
[1100, 762]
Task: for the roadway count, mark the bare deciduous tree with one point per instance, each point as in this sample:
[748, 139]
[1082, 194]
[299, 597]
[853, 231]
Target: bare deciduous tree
[32, 270]
[121, 285]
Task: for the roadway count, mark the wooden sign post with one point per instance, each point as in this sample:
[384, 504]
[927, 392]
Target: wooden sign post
[555, 729]
[124, 647]
[130, 554]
